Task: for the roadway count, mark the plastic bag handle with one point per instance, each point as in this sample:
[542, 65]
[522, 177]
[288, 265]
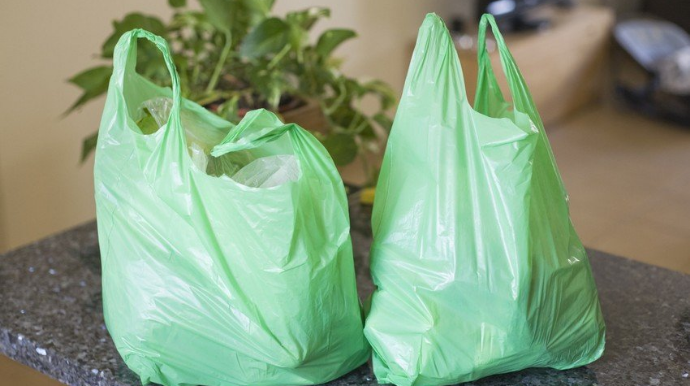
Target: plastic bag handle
[522, 99]
[124, 62]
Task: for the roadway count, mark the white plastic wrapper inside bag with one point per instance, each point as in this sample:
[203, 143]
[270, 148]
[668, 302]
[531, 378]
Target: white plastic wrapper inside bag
[268, 172]
[265, 172]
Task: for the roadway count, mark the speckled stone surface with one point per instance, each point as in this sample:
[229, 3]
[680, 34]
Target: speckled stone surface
[51, 318]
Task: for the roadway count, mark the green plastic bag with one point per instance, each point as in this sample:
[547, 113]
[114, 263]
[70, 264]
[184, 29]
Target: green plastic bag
[209, 281]
[477, 266]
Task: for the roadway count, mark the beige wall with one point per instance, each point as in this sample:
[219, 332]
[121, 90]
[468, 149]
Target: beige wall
[43, 188]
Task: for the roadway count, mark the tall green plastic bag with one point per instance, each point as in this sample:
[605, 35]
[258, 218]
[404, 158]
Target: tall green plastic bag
[477, 266]
[207, 281]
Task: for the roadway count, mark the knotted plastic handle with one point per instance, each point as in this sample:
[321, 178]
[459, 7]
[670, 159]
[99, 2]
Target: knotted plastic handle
[271, 129]
[253, 141]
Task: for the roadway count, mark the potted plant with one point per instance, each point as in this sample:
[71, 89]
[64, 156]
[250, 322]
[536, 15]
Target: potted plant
[234, 56]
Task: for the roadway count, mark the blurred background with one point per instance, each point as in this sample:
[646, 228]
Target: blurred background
[611, 79]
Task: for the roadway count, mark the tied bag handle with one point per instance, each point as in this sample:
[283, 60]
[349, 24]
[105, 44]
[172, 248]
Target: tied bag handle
[125, 58]
[522, 99]
[271, 129]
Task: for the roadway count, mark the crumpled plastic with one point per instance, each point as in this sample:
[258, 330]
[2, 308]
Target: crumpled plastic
[265, 172]
[268, 172]
[209, 281]
[477, 266]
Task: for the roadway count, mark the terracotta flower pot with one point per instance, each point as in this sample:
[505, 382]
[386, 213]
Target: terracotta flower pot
[308, 116]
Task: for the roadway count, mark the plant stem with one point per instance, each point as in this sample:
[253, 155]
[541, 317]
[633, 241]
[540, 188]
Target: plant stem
[368, 172]
[278, 57]
[221, 61]
[207, 98]
[343, 94]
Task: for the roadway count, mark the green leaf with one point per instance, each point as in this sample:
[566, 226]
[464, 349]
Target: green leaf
[383, 91]
[343, 116]
[190, 19]
[306, 19]
[297, 37]
[342, 148]
[222, 13]
[353, 88]
[384, 121]
[235, 16]
[268, 37]
[269, 84]
[229, 109]
[88, 145]
[331, 39]
[93, 82]
[367, 131]
[92, 78]
[258, 10]
[177, 3]
[130, 22]
[147, 124]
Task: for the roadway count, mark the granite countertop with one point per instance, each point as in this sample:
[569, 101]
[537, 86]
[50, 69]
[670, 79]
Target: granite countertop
[51, 319]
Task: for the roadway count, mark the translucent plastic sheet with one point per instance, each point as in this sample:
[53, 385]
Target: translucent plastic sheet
[477, 266]
[268, 172]
[207, 281]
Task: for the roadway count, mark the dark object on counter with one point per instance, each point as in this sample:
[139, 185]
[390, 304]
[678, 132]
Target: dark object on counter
[516, 15]
[51, 318]
[457, 25]
[675, 11]
[662, 50]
